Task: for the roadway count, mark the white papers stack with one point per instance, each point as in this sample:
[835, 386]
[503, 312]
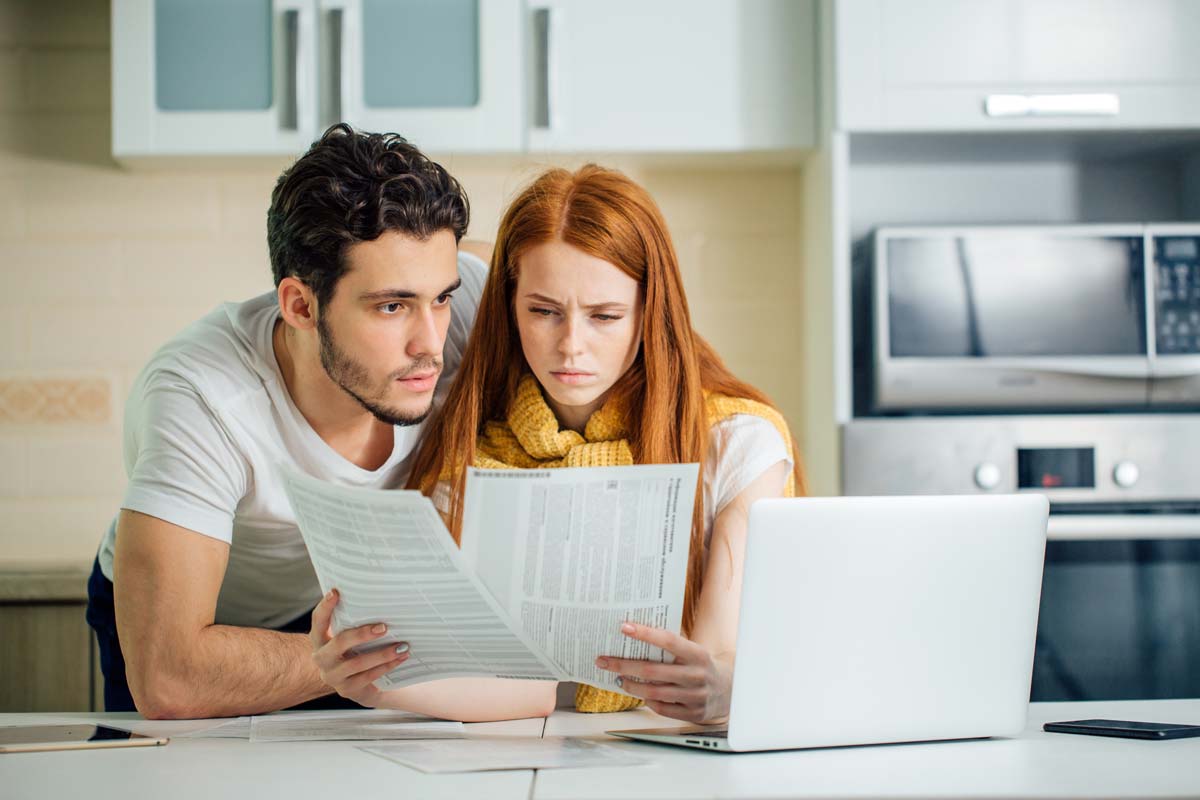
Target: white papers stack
[350, 725]
[474, 755]
[552, 562]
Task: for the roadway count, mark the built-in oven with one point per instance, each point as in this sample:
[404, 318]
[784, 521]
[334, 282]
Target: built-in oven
[1064, 361]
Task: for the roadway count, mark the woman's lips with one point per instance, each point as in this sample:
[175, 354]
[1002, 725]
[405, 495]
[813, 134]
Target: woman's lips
[420, 383]
[571, 377]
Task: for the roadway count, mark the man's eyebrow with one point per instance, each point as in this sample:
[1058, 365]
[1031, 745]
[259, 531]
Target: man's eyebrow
[402, 294]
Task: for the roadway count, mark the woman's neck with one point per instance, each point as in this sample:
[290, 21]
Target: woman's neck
[573, 418]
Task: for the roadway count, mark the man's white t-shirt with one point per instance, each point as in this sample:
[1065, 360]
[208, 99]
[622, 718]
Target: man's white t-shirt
[208, 424]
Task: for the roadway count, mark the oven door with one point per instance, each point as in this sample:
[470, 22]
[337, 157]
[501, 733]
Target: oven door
[1120, 610]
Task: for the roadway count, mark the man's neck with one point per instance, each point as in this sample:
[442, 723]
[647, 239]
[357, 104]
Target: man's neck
[352, 431]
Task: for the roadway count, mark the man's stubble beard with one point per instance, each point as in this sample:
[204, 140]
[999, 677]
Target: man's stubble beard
[353, 379]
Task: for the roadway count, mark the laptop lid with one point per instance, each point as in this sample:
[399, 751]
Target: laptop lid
[887, 619]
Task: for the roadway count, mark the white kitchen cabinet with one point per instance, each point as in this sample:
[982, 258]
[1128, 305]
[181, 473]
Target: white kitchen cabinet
[267, 76]
[910, 65]
[671, 75]
[212, 76]
[446, 74]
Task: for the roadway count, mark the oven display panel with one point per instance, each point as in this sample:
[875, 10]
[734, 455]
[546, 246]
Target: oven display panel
[1056, 468]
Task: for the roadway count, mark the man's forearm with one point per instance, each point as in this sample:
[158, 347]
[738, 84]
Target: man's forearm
[230, 671]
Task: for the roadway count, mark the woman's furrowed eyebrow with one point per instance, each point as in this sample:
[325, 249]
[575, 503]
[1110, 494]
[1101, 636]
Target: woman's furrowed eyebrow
[611, 304]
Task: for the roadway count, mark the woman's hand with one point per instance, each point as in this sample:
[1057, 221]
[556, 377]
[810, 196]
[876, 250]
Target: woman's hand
[352, 676]
[696, 688]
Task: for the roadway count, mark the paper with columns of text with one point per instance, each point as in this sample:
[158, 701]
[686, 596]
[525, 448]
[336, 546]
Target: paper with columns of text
[613, 540]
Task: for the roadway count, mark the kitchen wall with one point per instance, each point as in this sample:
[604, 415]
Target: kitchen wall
[100, 264]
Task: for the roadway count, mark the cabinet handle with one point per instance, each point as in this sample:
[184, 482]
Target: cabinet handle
[1052, 105]
[289, 114]
[335, 29]
[545, 22]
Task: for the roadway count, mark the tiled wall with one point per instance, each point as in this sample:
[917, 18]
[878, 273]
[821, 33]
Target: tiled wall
[99, 264]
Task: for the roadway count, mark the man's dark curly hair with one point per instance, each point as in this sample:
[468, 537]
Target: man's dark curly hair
[350, 187]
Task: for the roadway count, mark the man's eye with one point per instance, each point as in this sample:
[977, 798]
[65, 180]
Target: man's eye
[391, 308]
[443, 299]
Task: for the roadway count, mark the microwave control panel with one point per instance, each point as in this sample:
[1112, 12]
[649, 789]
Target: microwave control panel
[1177, 294]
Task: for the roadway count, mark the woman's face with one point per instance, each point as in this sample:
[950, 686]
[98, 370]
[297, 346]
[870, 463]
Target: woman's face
[580, 321]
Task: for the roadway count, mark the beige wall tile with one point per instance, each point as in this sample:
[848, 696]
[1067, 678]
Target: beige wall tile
[114, 203]
[43, 529]
[76, 335]
[725, 201]
[12, 81]
[244, 203]
[12, 209]
[200, 272]
[68, 80]
[55, 23]
[76, 465]
[14, 338]
[53, 272]
[55, 400]
[28, 141]
[752, 268]
[14, 465]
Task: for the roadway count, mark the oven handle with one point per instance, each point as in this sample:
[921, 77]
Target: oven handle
[1082, 527]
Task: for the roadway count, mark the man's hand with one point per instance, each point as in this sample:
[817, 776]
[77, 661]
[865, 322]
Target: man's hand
[352, 676]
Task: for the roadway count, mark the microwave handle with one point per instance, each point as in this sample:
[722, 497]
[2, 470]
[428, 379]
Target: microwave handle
[1052, 105]
[1138, 370]
[1176, 367]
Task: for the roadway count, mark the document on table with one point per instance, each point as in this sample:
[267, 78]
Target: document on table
[479, 755]
[350, 725]
[552, 562]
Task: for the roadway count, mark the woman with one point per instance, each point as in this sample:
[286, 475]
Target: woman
[583, 354]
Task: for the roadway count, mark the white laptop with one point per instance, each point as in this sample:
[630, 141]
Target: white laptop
[867, 620]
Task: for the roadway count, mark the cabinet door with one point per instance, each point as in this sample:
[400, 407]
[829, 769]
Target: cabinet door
[213, 76]
[671, 75]
[445, 74]
[1004, 64]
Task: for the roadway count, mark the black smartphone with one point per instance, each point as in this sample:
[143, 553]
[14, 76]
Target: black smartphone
[1124, 729]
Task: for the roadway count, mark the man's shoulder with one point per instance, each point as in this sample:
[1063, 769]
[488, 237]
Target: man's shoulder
[219, 355]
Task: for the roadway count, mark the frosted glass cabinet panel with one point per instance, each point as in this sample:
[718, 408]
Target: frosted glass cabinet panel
[1016, 64]
[213, 76]
[446, 74]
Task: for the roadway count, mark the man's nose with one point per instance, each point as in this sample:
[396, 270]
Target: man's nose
[426, 338]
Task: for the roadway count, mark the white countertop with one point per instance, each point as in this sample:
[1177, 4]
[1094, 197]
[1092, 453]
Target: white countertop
[1033, 765]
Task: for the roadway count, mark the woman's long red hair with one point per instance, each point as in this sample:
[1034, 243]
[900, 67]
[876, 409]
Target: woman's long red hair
[604, 214]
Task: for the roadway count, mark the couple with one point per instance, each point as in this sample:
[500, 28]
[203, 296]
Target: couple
[574, 349]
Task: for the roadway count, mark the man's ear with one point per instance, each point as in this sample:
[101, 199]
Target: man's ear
[297, 304]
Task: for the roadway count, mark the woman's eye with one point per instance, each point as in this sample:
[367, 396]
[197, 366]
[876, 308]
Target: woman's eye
[543, 312]
[606, 317]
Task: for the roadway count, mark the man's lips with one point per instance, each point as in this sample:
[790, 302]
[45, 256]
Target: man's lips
[420, 381]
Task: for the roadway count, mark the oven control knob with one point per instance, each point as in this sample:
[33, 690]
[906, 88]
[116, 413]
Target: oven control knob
[987, 476]
[1125, 474]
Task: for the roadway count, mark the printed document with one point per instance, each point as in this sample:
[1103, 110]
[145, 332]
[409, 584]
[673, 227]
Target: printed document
[552, 562]
[350, 725]
[476, 755]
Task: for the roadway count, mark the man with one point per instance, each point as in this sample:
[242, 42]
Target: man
[202, 588]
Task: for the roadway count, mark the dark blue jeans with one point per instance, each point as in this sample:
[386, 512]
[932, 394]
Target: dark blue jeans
[102, 616]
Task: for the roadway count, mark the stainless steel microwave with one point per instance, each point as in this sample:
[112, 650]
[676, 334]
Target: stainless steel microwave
[1085, 317]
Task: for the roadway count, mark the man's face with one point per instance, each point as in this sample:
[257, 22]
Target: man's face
[382, 333]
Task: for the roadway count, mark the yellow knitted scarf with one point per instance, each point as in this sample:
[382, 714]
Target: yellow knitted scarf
[531, 439]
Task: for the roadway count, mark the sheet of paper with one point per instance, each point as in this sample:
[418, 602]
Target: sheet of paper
[393, 561]
[217, 728]
[573, 553]
[477, 755]
[350, 725]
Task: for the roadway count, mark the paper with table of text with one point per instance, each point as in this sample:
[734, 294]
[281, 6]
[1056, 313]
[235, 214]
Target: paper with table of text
[552, 562]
